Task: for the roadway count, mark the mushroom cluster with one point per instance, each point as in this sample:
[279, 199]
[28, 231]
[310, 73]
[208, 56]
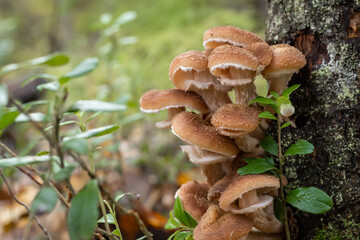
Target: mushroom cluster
[220, 133]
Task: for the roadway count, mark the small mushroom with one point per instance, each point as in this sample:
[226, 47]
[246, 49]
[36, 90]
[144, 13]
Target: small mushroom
[235, 36]
[189, 71]
[286, 61]
[235, 67]
[193, 196]
[265, 220]
[248, 193]
[220, 225]
[174, 100]
[237, 121]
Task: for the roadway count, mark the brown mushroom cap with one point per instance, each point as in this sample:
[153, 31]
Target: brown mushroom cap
[192, 129]
[217, 36]
[156, 100]
[259, 187]
[219, 187]
[286, 60]
[236, 119]
[262, 51]
[225, 57]
[193, 196]
[220, 225]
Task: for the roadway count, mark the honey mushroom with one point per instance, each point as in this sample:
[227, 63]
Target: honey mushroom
[173, 100]
[189, 72]
[192, 129]
[236, 67]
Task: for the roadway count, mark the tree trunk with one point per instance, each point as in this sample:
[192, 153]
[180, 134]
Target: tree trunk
[327, 109]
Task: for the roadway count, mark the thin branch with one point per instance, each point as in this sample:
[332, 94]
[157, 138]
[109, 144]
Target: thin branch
[123, 210]
[24, 205]
[107, 234]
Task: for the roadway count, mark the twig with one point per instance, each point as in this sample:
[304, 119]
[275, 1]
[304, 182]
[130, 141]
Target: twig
[105, 233]
[24, 205]
[123, 210]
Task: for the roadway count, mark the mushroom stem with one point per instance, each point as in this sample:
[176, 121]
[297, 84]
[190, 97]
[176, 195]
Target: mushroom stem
[265, 220]
[245, 93]
[248, 198]
[279, 84]
[245, 90]
[247, 143]
[171, 113]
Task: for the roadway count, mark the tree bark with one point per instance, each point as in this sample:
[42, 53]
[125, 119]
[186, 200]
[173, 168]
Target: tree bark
[327, 109]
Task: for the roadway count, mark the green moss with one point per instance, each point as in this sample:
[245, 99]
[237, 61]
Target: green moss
[349, 230]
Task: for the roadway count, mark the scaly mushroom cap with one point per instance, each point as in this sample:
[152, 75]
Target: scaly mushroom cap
[220, 225]
[248, 193]
[217, 36]
[263, 52]
[286, 60]
[233, 65]
[218, 188]
[155, 100]
[235, 119]
[193, 196]
[192, 129]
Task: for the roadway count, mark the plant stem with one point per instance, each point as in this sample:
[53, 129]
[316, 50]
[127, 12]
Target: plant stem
[282, 195]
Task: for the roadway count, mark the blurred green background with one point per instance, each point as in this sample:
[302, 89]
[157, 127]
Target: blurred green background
[135, 42]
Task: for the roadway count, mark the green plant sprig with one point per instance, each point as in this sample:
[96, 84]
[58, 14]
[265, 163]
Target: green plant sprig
[309, 199]
[182, 221]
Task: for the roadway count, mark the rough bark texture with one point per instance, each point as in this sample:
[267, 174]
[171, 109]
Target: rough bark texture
[327, 108]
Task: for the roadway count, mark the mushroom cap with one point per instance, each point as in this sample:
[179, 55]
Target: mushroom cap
[220, 225]
[262, 51]
[156, 100]
[236, 119]
[192, 129]
[286, 60]
[217, 36]
[218, 188]
[193, 196]
[262, 183]
[226, 56]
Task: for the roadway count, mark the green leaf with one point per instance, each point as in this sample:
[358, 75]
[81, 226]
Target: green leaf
[45, 201]
[53, 60]
[286, 93]
[174, 234]
[4, 95]
[7, 117]
[255, 166]
[109, 217]
[182, 235]
[79, 145]
[83, 213]
[36, 117]
[274, 94]
[278, 209]
[190, 237]
[184, 217]
[85, 67]
[95, 106]
[262, 86]
[64, 173]
[96, 132]
[19, 161]
[268, 115]
[263, 100]
[310, 199]
[269, 145]
[173, 222]
[51, 86]
[116, 232]
[300, 147]
[31, 104]
[285, 125]
[121, 195]
[36, 76]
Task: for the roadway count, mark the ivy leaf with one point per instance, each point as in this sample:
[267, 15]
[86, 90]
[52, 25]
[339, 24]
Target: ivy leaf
[310, 199]
[255, 166]
[286, 93]
[45, 201]
[300, 147]
[268, 115]
[263, 100]
[83, 213]
[285, 125]
[269, 145]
